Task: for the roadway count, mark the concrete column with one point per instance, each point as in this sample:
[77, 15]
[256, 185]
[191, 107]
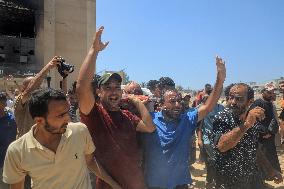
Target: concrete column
[68, 31]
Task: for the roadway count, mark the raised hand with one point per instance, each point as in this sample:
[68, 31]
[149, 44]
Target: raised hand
[98, 45]
[54, 62]
[221, 68]
[256, 114]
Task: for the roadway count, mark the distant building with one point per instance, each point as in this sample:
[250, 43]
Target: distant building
[32, 32]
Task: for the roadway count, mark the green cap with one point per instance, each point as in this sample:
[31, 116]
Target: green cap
[104, 78]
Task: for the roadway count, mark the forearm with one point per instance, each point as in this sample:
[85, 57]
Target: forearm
[212, 99]
[19, 185]
[10, 95]
[100, 172]
[229, 140]
[37, 80]
[87, 71]
[144, 113]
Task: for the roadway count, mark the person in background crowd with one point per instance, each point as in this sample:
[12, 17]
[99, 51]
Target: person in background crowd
[269, 126]
[235, 143]
[133, 88]
[8, 132]
[166, 83]
[23, 118]
[207, 89]
[198, 98]
[227, 94]
[113, 130]
[167, 149]
[155, 99]
[73, 102]
[152, 85]
[52, 142]
[186, 101]
[281, 116]
[204, 133]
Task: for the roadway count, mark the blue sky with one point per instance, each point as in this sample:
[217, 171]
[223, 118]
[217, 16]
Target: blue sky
[179, 39]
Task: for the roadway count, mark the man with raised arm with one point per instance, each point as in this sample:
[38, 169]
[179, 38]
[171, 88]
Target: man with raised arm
[22, 115]
[113, 130]
[167, 149]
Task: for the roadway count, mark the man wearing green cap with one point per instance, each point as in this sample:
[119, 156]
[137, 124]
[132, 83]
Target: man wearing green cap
[113, 130]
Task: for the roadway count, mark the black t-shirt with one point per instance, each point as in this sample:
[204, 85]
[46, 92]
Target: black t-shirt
[268, 107]
[237, 165]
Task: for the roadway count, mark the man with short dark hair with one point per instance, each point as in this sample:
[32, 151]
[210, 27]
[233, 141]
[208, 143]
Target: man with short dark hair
[235, 140]
[152, 85]
[54, 153]
[207, 89]
[113, 130]
[167, 149]
[165, 83]
[269, 126]
[8, 131]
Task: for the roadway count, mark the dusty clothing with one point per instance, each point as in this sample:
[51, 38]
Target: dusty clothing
[267, 144]
[64, 169]
[114, 133]
[237, 166]
[22, 116]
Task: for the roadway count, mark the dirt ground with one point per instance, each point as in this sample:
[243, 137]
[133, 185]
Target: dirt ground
[198, 173]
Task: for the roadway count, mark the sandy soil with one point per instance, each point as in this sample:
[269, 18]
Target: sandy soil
[198, 173]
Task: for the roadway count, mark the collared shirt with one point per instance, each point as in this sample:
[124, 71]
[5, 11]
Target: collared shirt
[207, 123]
[8, 131]
[167, 150]
[237, 165]
[64, 169]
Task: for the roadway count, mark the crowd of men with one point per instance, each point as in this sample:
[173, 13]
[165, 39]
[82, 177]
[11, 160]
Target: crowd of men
[135, 139]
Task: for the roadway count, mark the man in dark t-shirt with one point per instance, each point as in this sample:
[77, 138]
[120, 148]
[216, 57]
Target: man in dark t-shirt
[268, 126]
[113, 130]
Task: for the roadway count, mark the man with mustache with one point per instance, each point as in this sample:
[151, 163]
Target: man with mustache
[235, 140]
[54, 153]
[167, 149]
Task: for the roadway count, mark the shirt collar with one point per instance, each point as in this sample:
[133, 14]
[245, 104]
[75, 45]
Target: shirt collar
[33, 143]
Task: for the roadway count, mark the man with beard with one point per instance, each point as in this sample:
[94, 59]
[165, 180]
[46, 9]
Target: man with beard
[235, 140]
[269, 126]
[167, 149]
[54, 153]
[113, 130]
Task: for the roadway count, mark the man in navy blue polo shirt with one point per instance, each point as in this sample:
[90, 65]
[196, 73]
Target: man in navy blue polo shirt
[167, 149]
[8, 131]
